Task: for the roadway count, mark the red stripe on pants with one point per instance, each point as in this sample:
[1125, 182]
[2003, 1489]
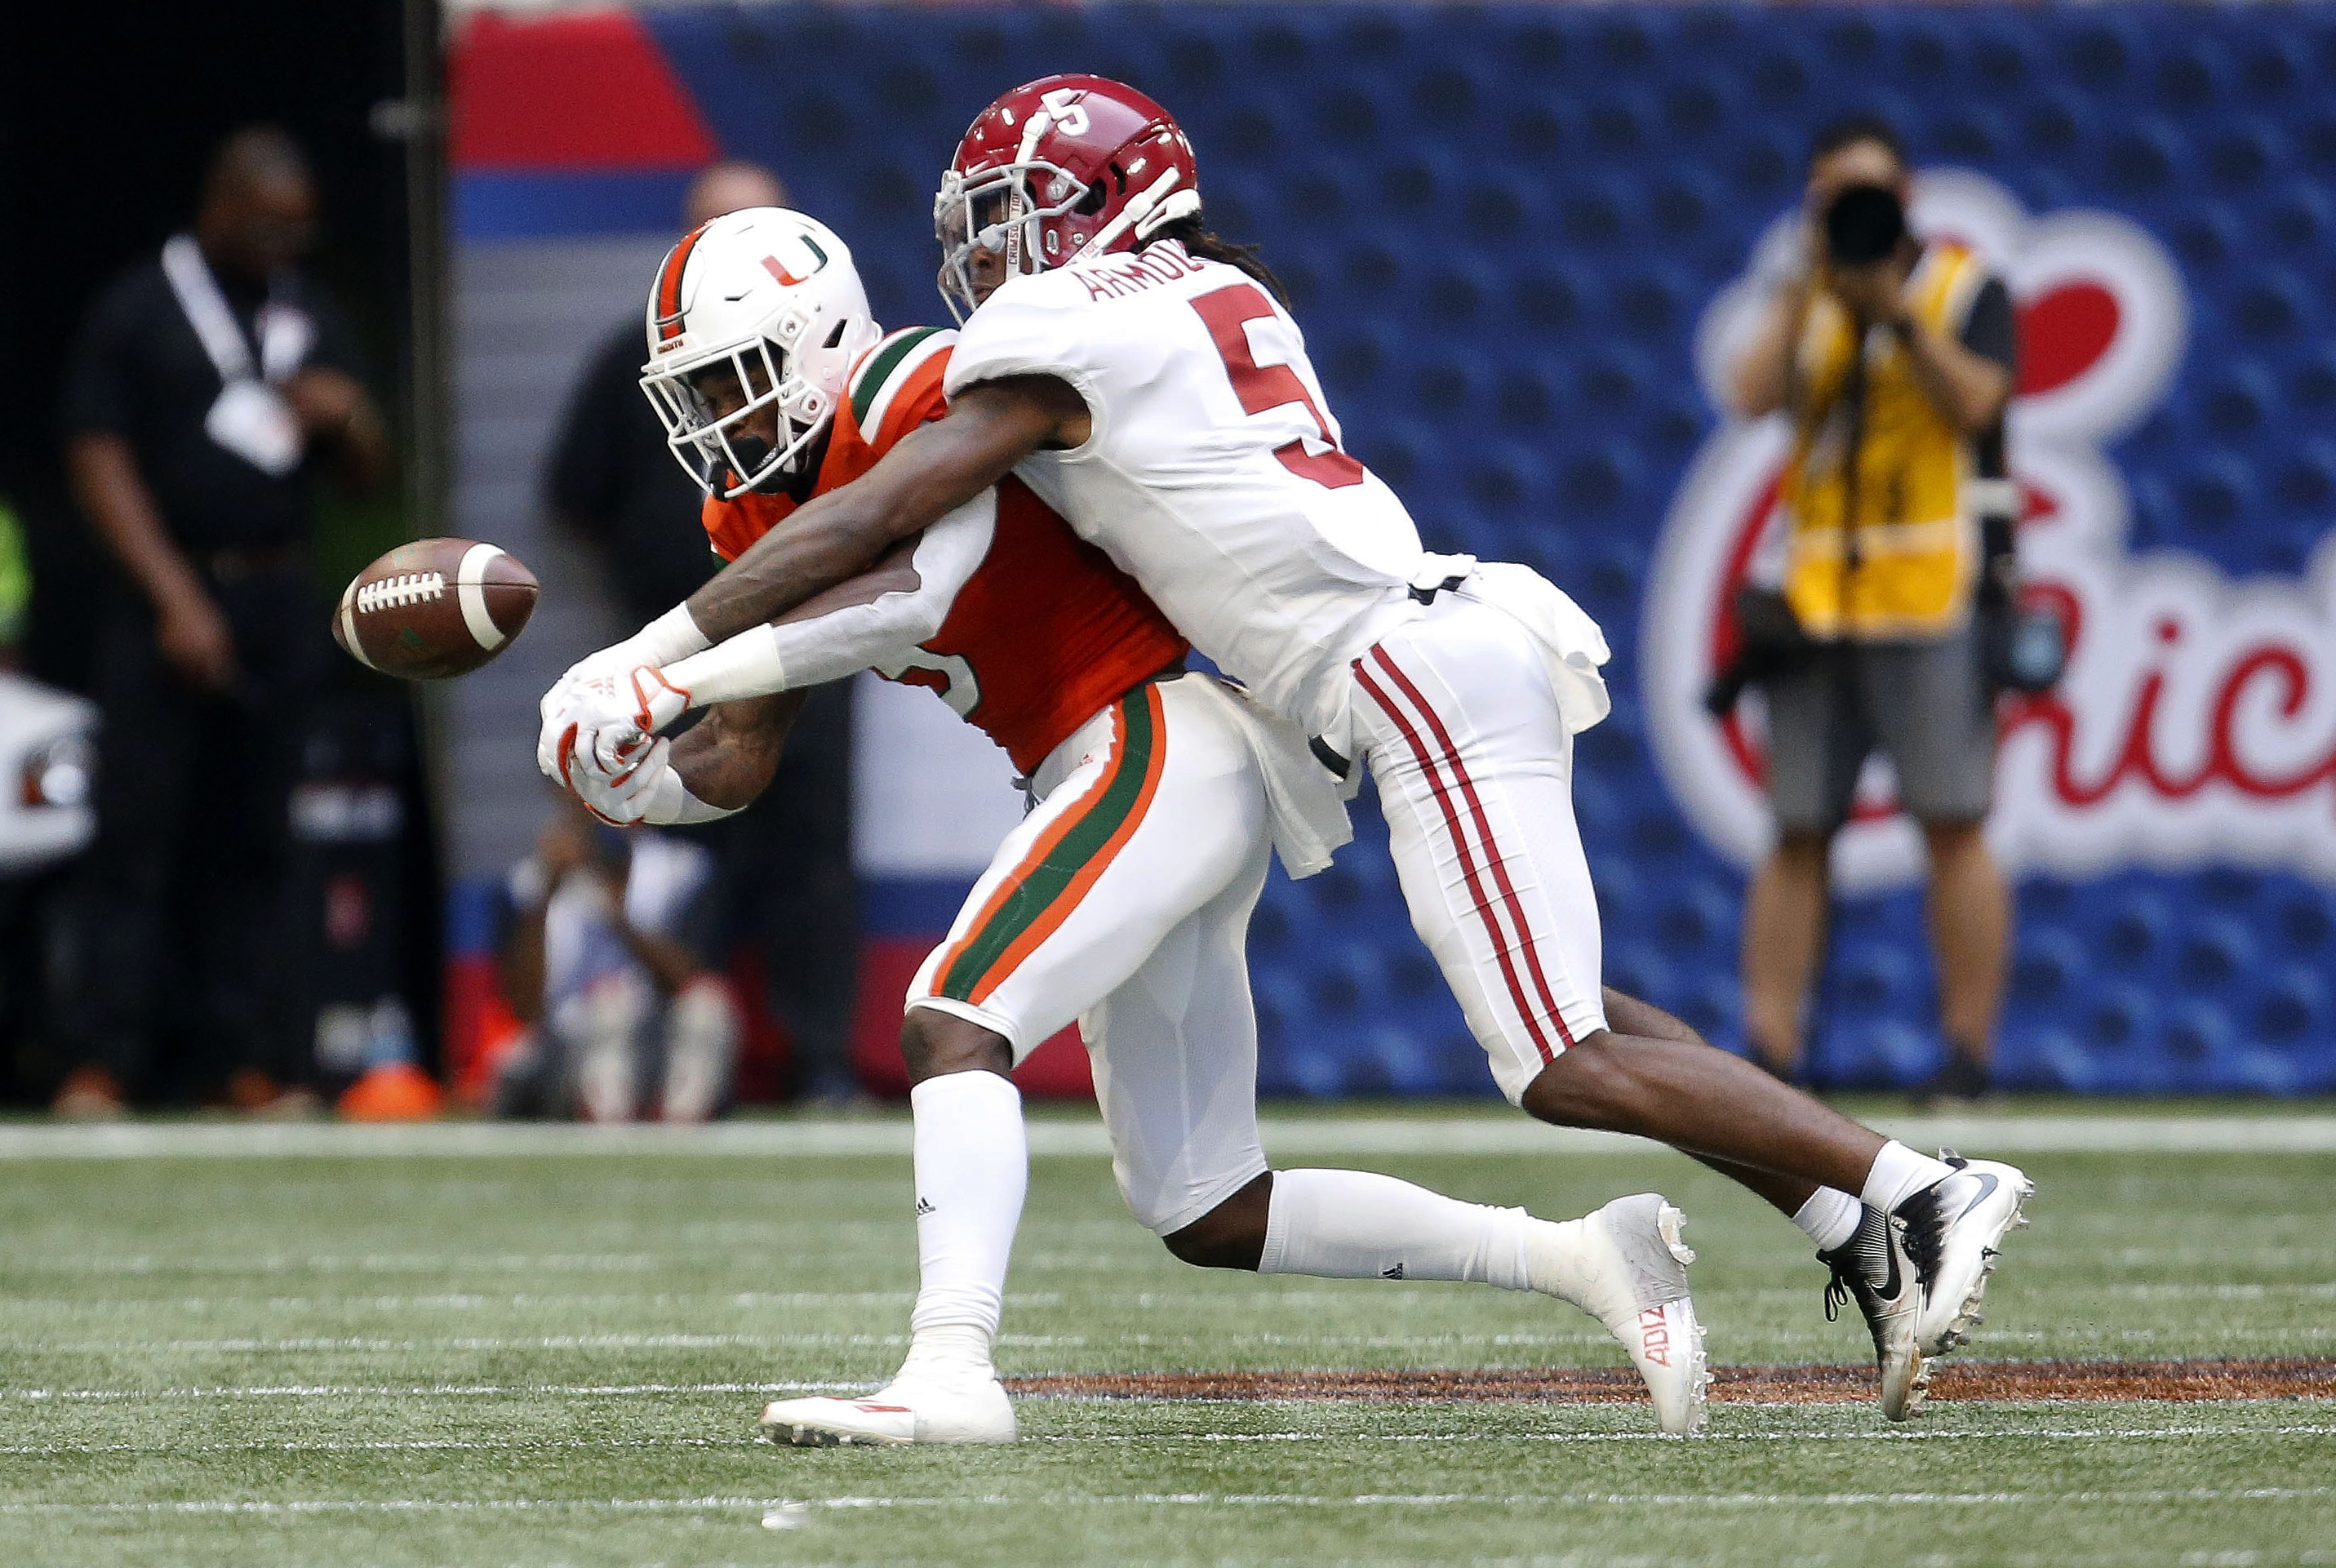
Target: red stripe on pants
[1428, 765]
[1500, 869]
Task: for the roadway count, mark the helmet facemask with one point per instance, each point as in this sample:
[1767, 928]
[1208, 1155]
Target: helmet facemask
[708, 403]
[1015, 211]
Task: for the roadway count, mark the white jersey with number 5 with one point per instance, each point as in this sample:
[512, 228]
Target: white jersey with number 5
[1214, 474]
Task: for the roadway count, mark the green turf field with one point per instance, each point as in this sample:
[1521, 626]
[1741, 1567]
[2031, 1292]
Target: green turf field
[548, 1358]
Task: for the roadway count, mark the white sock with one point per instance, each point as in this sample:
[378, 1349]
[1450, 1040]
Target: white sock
[973, 1164]
[1829, 1218]
[1898, 1174]
[1358, 1225]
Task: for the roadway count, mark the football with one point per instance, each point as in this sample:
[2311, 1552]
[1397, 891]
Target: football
[434, 608]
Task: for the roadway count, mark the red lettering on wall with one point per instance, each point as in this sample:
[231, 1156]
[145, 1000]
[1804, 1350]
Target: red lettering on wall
[2137, 760]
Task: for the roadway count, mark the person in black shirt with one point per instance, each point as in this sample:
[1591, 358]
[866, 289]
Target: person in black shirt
[787, 880]
[205, 386]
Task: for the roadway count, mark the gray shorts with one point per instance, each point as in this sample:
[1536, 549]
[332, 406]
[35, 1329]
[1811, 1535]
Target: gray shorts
[1924, 705]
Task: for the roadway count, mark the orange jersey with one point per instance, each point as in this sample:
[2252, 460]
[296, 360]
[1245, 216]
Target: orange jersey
[1046, 631]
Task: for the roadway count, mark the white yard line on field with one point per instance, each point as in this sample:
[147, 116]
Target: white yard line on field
[1860, 1433]
[1192, 1499]
[1286, 1138]
[460, 1302]
[147, 1263]
[415, 1445]
[1863, 1434]
[515, 1342]
[418, 1391]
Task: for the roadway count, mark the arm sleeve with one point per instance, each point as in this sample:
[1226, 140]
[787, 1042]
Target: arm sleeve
[1991, 329]
[848, 627]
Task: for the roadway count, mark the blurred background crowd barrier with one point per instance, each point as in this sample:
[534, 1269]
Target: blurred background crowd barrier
[1522, 240]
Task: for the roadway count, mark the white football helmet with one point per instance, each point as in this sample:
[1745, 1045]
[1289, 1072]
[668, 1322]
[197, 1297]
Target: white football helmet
[772, 297]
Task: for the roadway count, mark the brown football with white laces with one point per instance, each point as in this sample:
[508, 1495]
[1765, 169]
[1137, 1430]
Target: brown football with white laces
[434, 608]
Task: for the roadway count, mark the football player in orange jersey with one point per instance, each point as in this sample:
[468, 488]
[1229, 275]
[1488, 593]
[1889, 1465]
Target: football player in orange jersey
[1122, 899]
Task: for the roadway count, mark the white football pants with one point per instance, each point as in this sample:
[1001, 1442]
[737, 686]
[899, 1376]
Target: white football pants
[1456, 714]
[1122, 900]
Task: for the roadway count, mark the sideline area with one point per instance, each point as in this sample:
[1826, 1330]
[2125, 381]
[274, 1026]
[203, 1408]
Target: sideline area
[1310, 1136]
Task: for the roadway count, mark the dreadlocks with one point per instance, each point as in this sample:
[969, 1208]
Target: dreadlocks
[1194, 235]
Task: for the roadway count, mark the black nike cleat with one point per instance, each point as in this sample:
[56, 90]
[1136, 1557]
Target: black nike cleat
[1874, 1270]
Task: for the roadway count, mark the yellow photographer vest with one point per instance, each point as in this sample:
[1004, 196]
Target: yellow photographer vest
[1892, 548]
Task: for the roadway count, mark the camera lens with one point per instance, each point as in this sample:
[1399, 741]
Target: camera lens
[1864, 225]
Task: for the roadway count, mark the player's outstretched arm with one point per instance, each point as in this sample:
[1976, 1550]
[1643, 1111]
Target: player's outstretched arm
[928, 473]
[875, 618]
[607, 751]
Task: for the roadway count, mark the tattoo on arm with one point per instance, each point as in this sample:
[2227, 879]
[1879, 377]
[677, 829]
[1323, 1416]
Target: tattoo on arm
[894, 572]
[931, 472]
[727, 758]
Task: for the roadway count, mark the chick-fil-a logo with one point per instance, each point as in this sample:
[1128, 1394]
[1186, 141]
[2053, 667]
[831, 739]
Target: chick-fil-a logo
[2197, 720]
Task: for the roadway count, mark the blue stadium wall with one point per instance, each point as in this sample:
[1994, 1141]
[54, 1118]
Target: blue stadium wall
[1503, 228]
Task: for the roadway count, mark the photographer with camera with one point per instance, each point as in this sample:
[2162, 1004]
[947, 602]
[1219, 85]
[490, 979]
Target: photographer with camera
[1894, 624]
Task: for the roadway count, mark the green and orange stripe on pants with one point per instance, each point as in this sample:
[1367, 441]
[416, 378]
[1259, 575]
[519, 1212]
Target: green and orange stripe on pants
[1055, 873]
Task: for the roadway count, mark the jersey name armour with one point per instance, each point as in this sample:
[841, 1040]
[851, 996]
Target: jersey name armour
[1214, 473]
[1045, 634]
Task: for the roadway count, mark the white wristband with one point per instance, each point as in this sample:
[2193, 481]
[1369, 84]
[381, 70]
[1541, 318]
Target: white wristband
[670, 803]
[748, 665]
[670, 637]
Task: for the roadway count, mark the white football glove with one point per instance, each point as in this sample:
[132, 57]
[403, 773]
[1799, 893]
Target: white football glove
[611, 712]
[557, 709]
[611, 757]
[672, 636]
[616, 716]
[628, 796]
[647, 788]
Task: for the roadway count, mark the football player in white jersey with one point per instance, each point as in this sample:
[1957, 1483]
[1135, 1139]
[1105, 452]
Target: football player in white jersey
[1122, 899]
[1146, 380]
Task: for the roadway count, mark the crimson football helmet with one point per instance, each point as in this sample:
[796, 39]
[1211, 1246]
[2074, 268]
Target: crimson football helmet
[1057, 170]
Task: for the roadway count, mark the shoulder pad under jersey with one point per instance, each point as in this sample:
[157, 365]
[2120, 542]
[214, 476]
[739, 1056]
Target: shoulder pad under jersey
[1040, 325]
[892, 376]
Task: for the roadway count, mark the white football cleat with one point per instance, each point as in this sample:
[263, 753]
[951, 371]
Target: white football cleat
[1626, 1266]
[1954, 1231]
[905, 1410]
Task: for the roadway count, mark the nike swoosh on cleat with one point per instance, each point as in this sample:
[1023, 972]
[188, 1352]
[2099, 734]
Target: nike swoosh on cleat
[1987, 1187]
